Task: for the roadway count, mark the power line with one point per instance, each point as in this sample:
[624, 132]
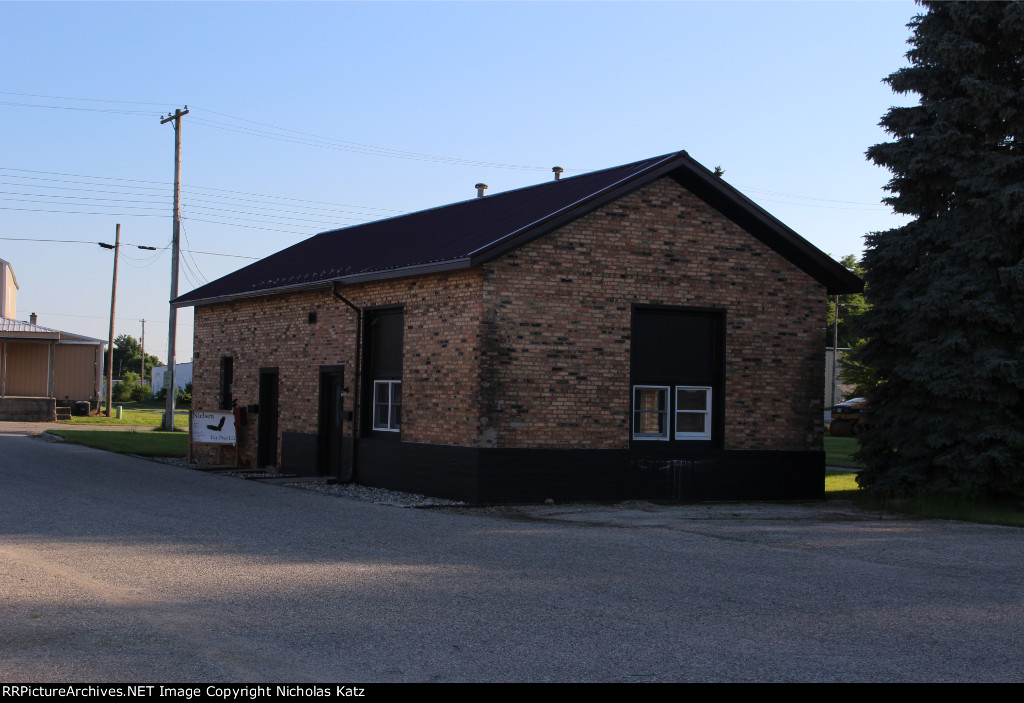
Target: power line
[100, 317]
[82, 212]
[805, 197]
[265, 196]
[163, 248]
[80, 197]
[126, 207]
[61, 241]
[134, 113]
[161, 201]
[91, 100]
[265, 229]
[324, 216]
[363, 148]
[321, 220]
[84, 190]
[187, 188]
[137, 214]
[216, 199]
[352, 147]
[195, 265]
[285, 134]
[824, 207]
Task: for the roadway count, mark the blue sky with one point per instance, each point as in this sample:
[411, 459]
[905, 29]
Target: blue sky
[309, 116]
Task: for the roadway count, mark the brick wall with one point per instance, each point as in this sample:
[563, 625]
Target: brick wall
[532, 350]
[442, 325]
[556, 359]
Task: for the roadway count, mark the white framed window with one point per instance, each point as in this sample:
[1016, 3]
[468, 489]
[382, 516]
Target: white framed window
[693, 412]
[650, 412]
[387, 406]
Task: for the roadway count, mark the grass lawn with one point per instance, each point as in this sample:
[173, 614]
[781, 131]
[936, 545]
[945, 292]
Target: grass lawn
[1006, 512]
[839, 452]
[146, 443]
[840, 484]
[145, 414]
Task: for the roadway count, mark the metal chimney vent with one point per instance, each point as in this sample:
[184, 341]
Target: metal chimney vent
[558, 172]
[480, 188]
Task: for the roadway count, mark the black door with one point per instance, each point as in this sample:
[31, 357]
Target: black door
[333, 459]
[266, 444]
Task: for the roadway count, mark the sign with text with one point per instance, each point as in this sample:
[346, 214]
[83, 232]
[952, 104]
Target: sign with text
[213, 428]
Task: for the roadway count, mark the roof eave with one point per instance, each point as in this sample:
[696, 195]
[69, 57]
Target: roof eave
[353, 279]
[759, 222]
[684, 168]
[32, 336]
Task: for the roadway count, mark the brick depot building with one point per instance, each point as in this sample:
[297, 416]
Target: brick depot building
[643, 331]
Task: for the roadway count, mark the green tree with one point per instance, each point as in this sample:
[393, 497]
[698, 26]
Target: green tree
[853, 371]
[128, 356]
[946, 328]
[851, 307]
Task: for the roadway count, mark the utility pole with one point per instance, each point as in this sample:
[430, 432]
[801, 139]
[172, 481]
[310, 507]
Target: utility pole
[113, 301]
[143, 343]
[172, 325]
[835, 353]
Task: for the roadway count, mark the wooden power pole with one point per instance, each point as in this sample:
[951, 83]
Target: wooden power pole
[143, 343]
[172, 324]
[113, 302]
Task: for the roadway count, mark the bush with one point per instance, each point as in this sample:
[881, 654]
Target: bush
[122, 392]
[141, 392]
[183, 395]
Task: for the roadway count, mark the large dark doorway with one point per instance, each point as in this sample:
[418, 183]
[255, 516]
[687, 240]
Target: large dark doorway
[677, 365]
[266, 431]
[333, 460]
[382, 378]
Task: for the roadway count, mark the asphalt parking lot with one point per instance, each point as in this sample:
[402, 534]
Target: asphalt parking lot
[122, 569]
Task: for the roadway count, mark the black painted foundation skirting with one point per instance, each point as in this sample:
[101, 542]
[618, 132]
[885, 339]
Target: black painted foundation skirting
[527, 475]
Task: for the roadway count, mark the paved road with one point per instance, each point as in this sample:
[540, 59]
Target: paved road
[114, 568]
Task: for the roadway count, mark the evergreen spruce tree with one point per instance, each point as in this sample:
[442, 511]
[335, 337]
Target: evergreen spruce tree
[946, 327]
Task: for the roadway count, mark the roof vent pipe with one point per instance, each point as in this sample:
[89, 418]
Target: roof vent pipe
[480, 188]
[558, 172]
[32, 319]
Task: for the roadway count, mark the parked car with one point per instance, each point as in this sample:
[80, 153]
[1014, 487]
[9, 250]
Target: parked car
[848, 418]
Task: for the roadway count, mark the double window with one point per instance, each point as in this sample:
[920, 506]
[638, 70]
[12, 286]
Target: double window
[682, 412]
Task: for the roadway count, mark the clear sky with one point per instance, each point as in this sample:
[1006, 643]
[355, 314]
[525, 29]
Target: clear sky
[310, 116]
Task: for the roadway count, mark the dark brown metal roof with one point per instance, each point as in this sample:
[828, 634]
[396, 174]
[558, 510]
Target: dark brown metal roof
[475, 231]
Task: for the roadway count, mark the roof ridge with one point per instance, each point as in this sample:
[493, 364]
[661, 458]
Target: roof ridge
[512, 191]
[476, 230]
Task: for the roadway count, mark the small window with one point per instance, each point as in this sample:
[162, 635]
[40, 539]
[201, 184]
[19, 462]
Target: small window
[650, 412]
[227, 381]
[693, 412]
[387, 406]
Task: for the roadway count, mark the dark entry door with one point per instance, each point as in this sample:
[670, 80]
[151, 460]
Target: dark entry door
[333, 461]
[266, 442]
